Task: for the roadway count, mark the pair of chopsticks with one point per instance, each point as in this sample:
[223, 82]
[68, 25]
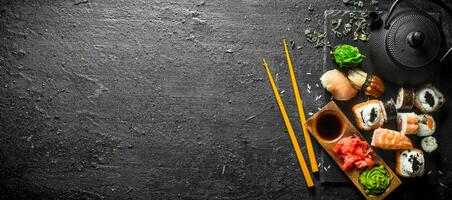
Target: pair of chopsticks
[301, 114]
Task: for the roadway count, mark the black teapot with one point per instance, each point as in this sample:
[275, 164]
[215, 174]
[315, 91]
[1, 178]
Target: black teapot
[407, 45]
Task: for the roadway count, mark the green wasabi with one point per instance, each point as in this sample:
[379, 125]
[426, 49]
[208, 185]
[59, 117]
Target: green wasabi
[347, 56]
[375, 180]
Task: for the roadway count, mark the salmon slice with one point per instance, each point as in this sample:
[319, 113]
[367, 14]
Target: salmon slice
[430, 123]
[390, 140]
[412, 119]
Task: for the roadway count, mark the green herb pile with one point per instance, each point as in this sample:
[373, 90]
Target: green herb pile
[347, 56]
[375, 180]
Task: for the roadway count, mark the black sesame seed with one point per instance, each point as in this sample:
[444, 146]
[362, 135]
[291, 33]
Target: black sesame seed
[429, 98]
[373, 115]
[416, 164]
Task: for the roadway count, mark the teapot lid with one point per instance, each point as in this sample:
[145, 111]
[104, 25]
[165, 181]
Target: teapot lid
[414, 40]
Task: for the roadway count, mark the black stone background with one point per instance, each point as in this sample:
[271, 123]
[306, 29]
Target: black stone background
[135, 99]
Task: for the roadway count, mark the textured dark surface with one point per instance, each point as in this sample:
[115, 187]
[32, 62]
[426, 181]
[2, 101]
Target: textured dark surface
[159, 100]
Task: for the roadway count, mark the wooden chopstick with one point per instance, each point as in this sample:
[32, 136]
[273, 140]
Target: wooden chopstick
[301, 114]
[293, 138]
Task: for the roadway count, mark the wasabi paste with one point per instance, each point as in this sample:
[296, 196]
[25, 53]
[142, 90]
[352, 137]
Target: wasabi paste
[375, 180]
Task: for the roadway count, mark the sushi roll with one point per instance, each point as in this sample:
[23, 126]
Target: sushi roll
[370, 114]
[370, 84]
[429, 144]
[407, 123]
[405, 99]
[429, 99]
[427, 125]
[410, 163]
[338, 85]
[391, 110]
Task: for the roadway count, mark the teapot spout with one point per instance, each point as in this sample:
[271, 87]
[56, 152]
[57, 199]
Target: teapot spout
[375, 20]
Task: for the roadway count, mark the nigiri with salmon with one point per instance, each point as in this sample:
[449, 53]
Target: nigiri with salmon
[390, 140]
[338, 85]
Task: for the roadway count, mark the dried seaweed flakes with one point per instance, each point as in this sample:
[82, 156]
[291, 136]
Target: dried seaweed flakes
[358, 23]
[315, 37]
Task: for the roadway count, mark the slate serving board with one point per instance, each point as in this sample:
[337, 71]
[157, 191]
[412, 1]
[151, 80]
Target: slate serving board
[329, 172]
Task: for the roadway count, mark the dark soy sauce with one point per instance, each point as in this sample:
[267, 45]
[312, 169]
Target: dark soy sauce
[329, 126]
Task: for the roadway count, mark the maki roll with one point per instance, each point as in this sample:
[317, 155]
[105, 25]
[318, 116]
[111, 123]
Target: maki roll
[370, 84]
[427, 125]
[405, 99]
[429, 99]
[391, 110]
[370, 114]
[410, 163]
[407, 123]
[429, 144]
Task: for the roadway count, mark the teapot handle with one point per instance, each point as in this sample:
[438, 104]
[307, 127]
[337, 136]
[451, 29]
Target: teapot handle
[396, 2]
[446, 55]
[449, 11]
[391, 10]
